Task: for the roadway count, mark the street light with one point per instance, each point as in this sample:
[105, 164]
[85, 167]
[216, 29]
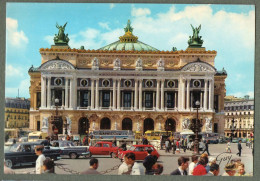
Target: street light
[232, 129]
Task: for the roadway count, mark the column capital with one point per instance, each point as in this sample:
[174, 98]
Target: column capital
[163, 80]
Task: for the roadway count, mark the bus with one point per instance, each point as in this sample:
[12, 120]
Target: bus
[36, 135]
[155, 135]
[110, 134]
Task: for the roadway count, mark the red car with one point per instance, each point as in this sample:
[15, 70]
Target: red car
[140, 152]
[104, 148]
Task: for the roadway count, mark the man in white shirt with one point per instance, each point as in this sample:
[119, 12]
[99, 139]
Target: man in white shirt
[130, 167]
[193, 164]
[40, 159]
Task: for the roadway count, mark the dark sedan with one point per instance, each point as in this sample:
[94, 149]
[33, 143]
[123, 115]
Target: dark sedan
[23, 154]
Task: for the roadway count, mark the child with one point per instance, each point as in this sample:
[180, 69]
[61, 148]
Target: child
[228, 149]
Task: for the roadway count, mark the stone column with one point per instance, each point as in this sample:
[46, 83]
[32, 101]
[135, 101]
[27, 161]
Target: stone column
[201, 102]
[175, 100]
[179, 93]
[92, 93]
[43, 91]
[114, 93]
[158, 95]
[118, 93]
[66, 92]
[210, 94]
[206, 94]
[97, 93]
[183, 94]
[49, 93]
[162, 95]
[188, 95]
[140, 94]
[136, 94]
[71, 92]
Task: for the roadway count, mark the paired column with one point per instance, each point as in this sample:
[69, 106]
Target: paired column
[158, 95]
[183, 94]
[97, 93]
[66, 92]
[71, 93]
[188, 94]
[114, 93]
[92, 93]
[49, 92]
[206, 94]
[140, 94]
[118, 93]
[162, 95]
[201, 103]
[211, 93]
[43, 91]
[175, 100]
[136, 94]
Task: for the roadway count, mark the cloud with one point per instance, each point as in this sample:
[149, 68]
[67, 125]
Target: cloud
[242, 94]
[13, 71]
[15, 37]
[49, 39]
[140, 11]
[112, 5]
[104, 25]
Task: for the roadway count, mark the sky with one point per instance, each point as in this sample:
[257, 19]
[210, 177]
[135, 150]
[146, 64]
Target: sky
[228, 29]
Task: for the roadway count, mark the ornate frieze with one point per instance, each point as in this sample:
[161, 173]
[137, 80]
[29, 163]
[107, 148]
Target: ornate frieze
[198, 67]
[57, 65]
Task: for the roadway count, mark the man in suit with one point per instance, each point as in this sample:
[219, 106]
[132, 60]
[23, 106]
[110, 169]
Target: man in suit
[148, 162]
[183, 163]
[214, 170]
[239, 147]
[206, 147]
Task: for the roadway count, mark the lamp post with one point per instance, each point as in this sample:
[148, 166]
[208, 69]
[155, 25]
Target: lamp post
[197, 129]
[232, 129]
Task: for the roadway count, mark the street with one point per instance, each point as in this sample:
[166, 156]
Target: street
[169, 161]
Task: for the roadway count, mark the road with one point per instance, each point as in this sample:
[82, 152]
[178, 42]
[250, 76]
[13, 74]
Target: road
[169, 161]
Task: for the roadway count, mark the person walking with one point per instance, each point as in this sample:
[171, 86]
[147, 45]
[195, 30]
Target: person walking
[183, 163]
[214, 170]
[167, 145]
[228, 149]
[48, 166]
[206, 147]
[114, 141]
[40, 159]
[239, 147]
[184, 145]
[193, 164]
[148, 162]
[93, 168]
[173, 146]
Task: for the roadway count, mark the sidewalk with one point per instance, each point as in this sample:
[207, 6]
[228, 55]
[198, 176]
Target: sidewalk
[182, 153]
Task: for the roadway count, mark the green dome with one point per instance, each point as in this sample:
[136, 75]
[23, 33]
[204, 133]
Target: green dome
[129, 42]
[136, 46]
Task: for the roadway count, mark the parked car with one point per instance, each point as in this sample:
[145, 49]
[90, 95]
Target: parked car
[104, 148]
[23, 139]
[140, 152]
[235, 140]
[244, 140]
[190, 145]
[68, 149]
[24, 154]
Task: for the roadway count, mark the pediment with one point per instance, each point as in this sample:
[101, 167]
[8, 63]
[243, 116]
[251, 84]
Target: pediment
[57, 65]
[198, 67]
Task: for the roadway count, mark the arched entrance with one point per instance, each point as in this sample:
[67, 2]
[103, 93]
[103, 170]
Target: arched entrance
[83, 126]
[127, 124]
[105, 123]
[148, 124]
[170, 125]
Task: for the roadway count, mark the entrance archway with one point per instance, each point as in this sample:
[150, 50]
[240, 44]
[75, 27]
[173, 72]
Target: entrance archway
[148, 124]
[127, 124]
[105, 123]
[170, 125]
[83, 126]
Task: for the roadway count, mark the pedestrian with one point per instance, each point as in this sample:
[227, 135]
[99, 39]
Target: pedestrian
[148, 162]
[184, 145]
[157, 169]
[161, 142]
[40, 159]
[14, 141]
[114, 141]
[84, 140]
[129, 166]
[92, 169]
[7, 170]
[200, 169]
[145, 141]
[206, 148]
[206, 156]
[183, 163]
[48, 166]
[228, 149]
[214, 170]
[230, 169]
[193, 164]
[173, 146]
[239, 147]
[167, 145]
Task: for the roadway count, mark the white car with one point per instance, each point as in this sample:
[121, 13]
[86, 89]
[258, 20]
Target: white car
[190, 145]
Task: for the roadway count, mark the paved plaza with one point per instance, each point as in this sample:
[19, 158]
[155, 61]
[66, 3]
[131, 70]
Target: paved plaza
[169, 161]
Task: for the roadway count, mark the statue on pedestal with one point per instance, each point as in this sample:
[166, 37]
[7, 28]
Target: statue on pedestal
[195, 41]
[61, 38]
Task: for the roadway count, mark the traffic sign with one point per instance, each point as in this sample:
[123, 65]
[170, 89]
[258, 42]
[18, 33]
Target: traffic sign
[55, 130]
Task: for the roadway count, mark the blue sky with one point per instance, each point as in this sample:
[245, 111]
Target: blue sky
[228, 29]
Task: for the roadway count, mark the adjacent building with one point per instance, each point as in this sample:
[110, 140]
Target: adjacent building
[241, 110]
[17, 112]
[127, 85]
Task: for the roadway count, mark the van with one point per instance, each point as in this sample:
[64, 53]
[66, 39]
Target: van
[155, 135]
[36, 135]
